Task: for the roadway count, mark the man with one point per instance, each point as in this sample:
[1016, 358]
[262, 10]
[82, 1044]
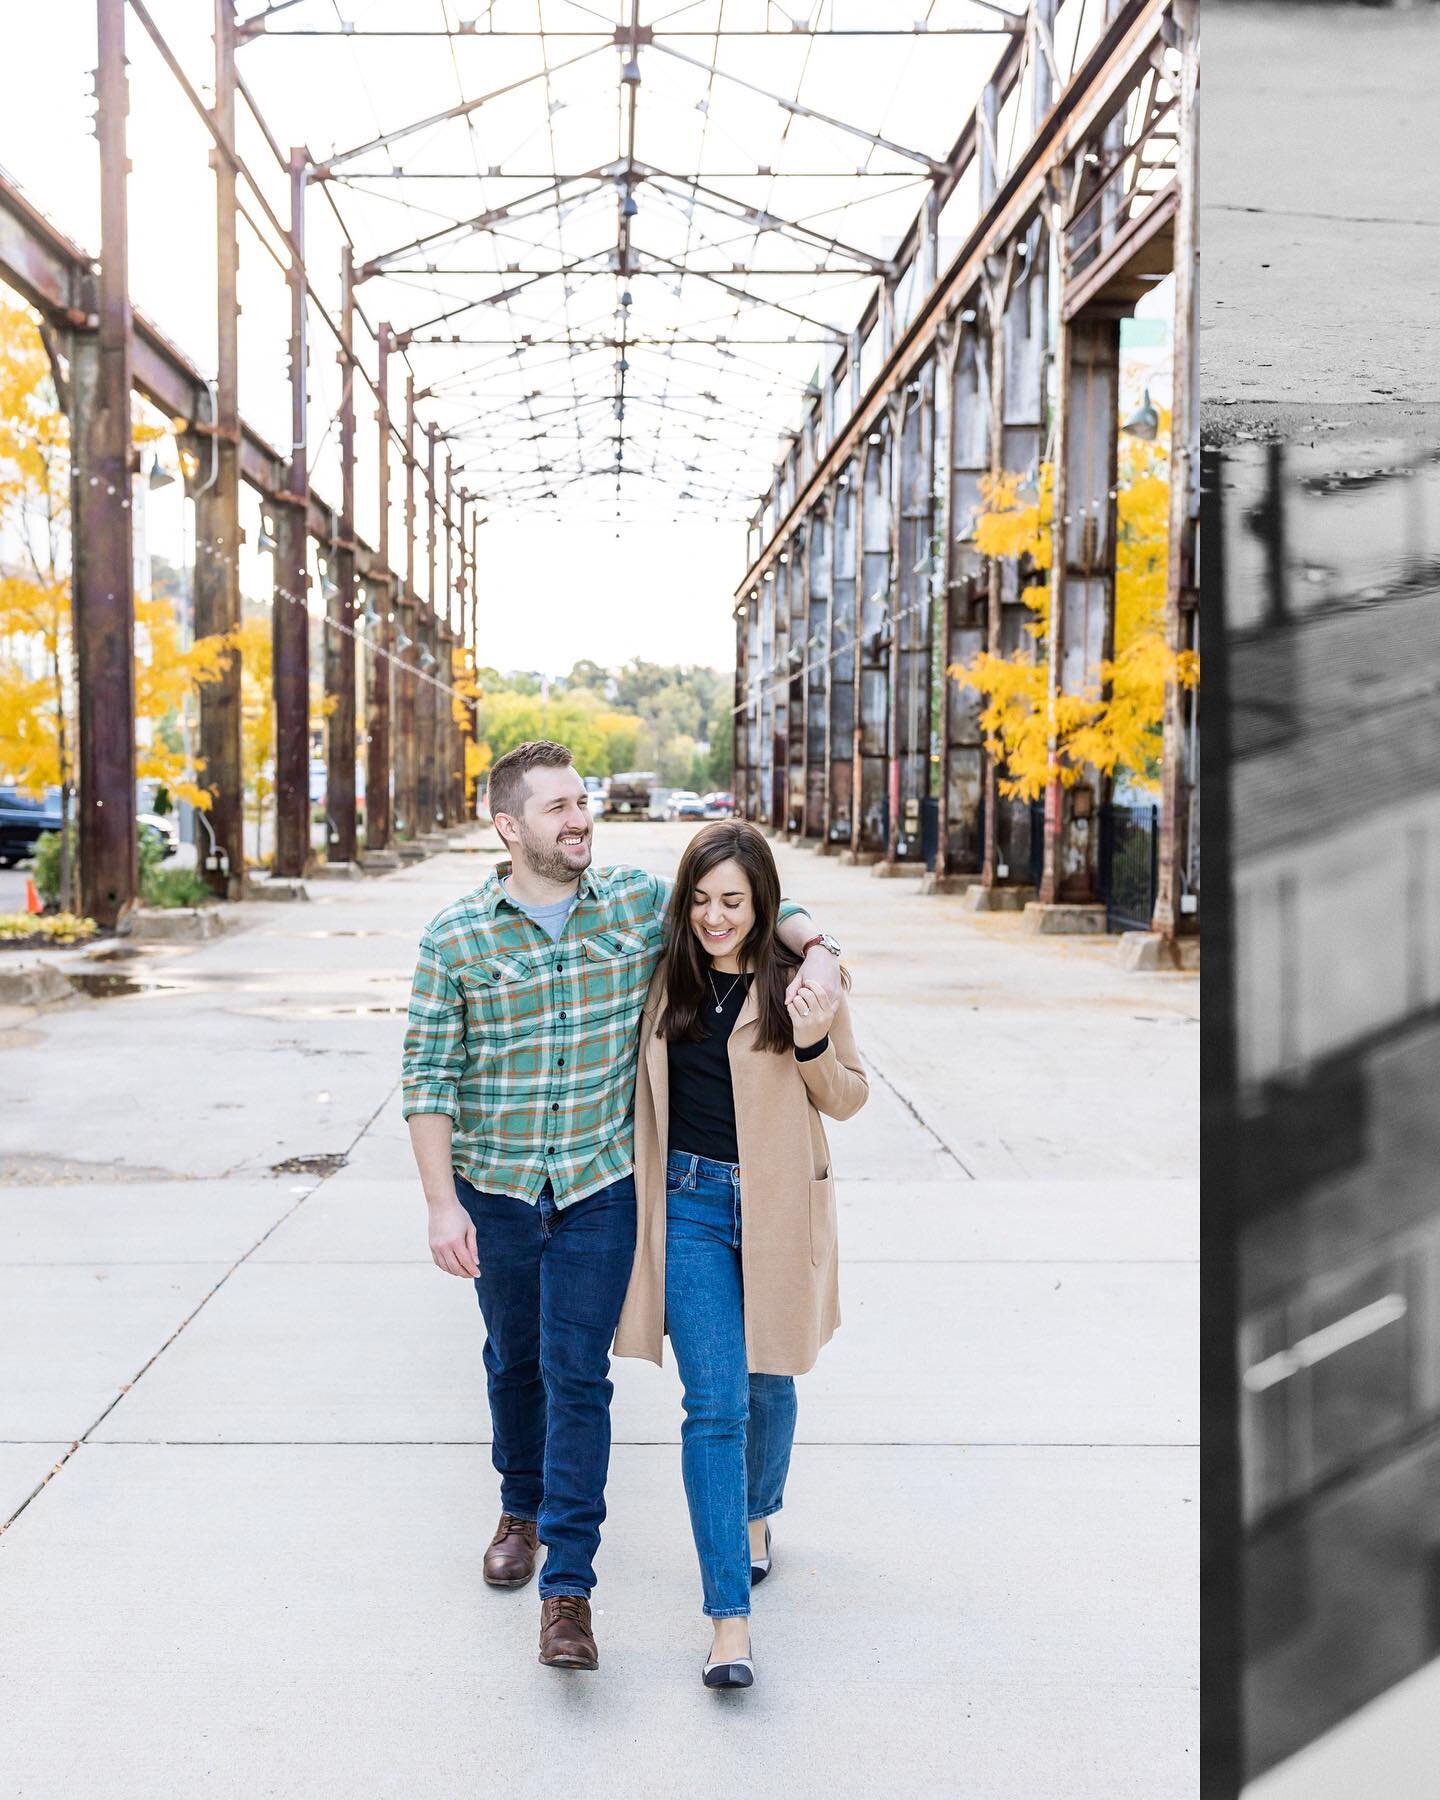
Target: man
[519, 1083]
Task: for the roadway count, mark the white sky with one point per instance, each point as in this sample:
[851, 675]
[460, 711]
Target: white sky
[556, 581]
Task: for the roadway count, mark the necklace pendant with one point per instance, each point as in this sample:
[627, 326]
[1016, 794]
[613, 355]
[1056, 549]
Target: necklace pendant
[719, 1009]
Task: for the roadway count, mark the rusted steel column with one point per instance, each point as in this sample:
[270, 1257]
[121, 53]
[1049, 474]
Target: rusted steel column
[1178, 881]
[777, 800]
[767, 675]
[869, 801]
[220, 833]
[290, 620]
[817, 671]
[1082, 609]
[406, 775]
[104, 603]
[427, 664]
[966, 607]
[911, 641]
[339, 643]
[797, 633]
[996, 291]
[449, 805]
[379, 812]
[840, 634]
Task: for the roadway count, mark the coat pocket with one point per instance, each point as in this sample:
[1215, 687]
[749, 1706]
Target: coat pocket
[822, 1220]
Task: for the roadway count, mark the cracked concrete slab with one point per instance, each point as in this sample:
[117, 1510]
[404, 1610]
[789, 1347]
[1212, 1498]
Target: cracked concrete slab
[1320, 223]
[292, 1615]
[273, 1648]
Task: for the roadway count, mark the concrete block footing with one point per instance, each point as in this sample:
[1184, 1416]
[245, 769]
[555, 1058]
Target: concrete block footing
[278, 887]
[335, 871]
[411, 851]
[1063, 919]
[890, 871]
[861, 859]
[378, 862]
[979, 898]
[1145, 951]
[171, 924]
[930, 883]
[34, 984]
[435, 842]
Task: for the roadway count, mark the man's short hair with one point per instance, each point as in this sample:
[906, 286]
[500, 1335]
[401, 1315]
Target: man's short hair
[508, 787]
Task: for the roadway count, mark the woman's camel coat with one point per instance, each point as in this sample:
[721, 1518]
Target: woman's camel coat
[787, 1194]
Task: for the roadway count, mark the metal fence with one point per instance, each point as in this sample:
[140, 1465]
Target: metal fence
[1129, 865]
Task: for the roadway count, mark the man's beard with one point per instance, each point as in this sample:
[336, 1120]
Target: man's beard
[548, 860]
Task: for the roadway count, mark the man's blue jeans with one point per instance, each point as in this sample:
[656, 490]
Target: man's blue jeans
[551, 1286]
[738, 1430]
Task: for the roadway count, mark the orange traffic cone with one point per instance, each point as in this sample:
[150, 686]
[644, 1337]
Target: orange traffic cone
[33, 902]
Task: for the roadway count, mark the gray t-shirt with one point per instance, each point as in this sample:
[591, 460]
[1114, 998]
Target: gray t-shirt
[550, 919]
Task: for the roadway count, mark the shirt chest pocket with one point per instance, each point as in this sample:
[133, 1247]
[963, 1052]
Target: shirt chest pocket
[615, 970]
[504, 994]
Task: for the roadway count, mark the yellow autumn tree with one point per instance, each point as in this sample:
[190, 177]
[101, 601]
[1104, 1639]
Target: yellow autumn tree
[37, 749]
[467, 693]
[1116, 726]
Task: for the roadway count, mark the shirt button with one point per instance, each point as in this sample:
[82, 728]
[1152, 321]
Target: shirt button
[562, 1015]
[555, 1107]
[560, 1061]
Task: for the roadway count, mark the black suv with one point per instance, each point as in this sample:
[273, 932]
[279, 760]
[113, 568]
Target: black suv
[22, 819]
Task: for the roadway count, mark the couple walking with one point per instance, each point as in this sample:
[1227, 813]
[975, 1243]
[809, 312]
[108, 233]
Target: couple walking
[614, 1089]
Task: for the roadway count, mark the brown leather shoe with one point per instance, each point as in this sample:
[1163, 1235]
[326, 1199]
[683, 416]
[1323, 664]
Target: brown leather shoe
[510, 1560]
[566, 1641]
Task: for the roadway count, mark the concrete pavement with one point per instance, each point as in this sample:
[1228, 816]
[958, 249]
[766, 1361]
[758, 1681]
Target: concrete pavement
[1320, 229]
[258, 1570]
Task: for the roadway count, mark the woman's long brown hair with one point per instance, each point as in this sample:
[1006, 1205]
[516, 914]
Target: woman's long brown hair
[762, 954]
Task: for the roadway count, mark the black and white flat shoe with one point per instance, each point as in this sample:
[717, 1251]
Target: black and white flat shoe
[760, 1567]
[737, 1673]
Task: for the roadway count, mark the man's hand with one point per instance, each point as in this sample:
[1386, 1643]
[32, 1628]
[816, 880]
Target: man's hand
[452, 1239]
[811, 1011]
[820, 972]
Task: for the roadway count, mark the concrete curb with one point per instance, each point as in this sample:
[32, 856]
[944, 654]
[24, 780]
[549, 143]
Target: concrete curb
[172, 923]
[35, 984]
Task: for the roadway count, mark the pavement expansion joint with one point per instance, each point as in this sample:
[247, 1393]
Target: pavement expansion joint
[194, 1312]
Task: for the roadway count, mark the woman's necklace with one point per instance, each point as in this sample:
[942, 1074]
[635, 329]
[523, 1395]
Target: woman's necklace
[719, 1003]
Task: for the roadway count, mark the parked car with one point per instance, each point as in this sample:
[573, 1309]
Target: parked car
[682, 804]
[22, 819]
[630, 794]
[162, 829]
[719, 806]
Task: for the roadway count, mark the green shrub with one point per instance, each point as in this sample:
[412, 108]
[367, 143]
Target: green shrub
[174, 887]
[47, 865]
[159, 886]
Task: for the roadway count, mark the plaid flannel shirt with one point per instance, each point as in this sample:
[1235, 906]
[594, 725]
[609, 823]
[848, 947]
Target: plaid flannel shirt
[529, 1045]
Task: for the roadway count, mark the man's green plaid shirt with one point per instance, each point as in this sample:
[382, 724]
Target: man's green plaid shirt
[529, 1045]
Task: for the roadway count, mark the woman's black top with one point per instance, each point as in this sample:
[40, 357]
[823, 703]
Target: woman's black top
[702, 1101]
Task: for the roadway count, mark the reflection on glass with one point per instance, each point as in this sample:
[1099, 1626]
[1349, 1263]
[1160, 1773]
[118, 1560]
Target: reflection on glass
[1331, 592]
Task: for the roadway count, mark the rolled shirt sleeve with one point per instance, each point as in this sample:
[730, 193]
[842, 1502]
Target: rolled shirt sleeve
[434, 1055]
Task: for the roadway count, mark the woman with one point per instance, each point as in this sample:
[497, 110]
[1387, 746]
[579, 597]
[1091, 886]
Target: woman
[735, 1222]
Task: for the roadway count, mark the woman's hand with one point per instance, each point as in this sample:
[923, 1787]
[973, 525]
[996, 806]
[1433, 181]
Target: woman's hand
[811, 1012]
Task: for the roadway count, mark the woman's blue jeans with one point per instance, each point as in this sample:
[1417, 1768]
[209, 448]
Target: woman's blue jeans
[738, 1430]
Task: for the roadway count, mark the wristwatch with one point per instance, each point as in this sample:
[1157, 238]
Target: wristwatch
[824, 940]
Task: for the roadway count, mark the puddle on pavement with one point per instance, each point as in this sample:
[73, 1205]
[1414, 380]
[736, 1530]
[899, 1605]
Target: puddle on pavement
[105, 984]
